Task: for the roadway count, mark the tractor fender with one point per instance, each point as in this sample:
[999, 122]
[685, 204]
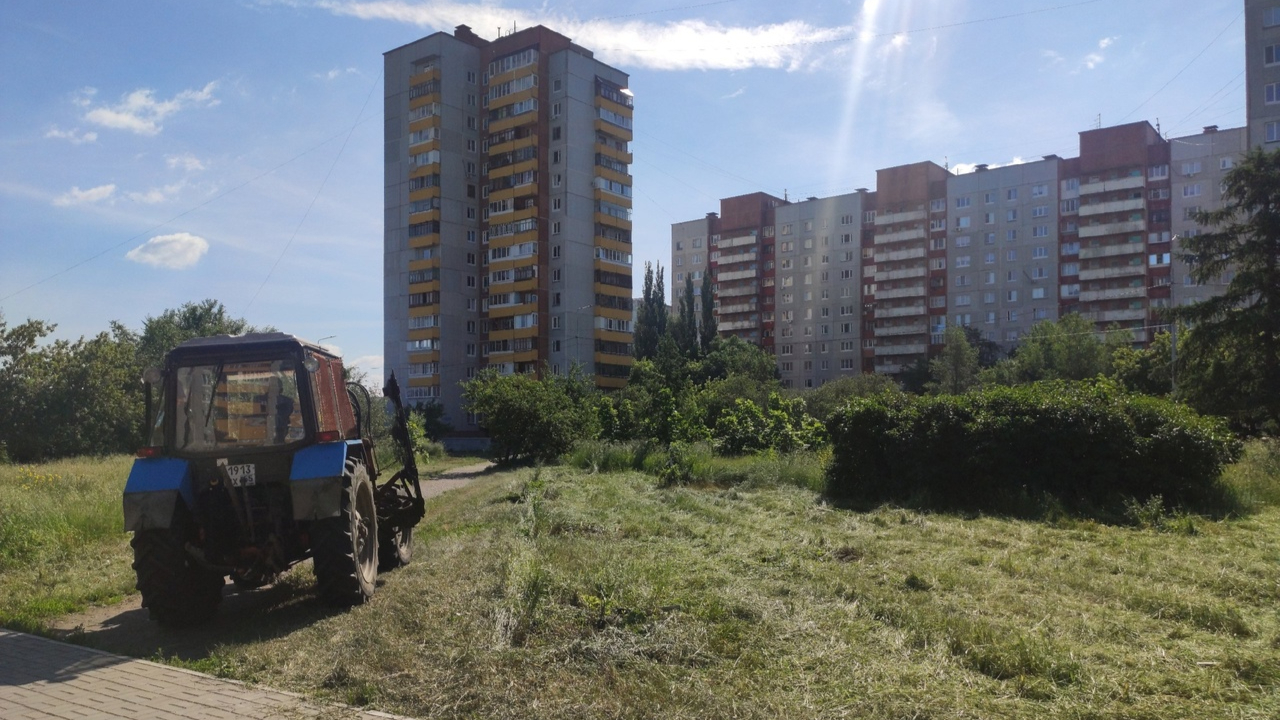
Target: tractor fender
[315, 480]
[152, 492]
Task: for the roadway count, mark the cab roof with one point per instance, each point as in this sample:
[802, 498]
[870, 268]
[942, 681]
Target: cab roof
[247, 342]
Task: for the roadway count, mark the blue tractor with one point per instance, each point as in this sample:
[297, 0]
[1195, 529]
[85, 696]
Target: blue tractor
[259, 458]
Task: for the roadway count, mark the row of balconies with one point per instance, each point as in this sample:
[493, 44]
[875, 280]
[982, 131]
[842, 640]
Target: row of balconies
[1116, 315]
[1124, 183]
[909, 254]
[900, 236]
[1116, 228]
[892, 218]
[1121, 293]
[1113, 206]
[901, 274]
[1127, 248]
[1107, 273]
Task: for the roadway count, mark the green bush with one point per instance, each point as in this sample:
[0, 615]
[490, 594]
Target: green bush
[1087, 445]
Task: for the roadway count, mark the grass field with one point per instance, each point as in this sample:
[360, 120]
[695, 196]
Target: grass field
[563, 594]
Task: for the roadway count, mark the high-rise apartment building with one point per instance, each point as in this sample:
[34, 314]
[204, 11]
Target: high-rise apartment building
[507, 233]
[1262, 72]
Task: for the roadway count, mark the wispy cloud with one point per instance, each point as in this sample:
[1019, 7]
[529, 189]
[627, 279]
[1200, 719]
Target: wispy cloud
[371, 364]
[76, 196]
[962, 168]
[157, 195]
[336, 73]
[1097, 57]
[680, 45]
[171, 252]
[185, 161]
[140, 112]
[736, 93]
[1054, 57]
[74, 136]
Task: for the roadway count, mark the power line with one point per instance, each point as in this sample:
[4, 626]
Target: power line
[1184, 67]
[320, 189]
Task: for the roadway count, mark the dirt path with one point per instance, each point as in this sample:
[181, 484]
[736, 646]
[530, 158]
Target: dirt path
[266, 612]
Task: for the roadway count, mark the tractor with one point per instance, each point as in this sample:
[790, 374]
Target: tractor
[258, 458]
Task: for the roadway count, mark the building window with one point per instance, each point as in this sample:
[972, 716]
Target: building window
[1037, 293]
[963, 202]
[555, 204]
[1273, 132]
[555, 110]
[1226, 163]
[1010, 215]
[555, 133]
[1038, 191]
[555, 157]
[1271, 17]
[1191, 168]
[1012, 296]
[1012, 194]
[555, 230]
[1191, 190]
[555, 251]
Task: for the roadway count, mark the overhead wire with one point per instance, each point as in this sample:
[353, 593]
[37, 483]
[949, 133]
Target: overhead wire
[1184, 67]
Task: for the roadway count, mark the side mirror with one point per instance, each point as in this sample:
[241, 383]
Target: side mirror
[311, 363]
[152, 376]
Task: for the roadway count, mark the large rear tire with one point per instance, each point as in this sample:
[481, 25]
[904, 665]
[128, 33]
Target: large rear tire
[345, 549]
[396, 550]
[176, 590]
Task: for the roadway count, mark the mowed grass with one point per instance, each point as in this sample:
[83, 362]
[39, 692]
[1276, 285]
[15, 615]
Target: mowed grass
[62, 539]
[559, 593]
[563, 594]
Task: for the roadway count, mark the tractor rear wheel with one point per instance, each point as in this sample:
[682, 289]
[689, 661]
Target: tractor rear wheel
[344, 549]
[395, 546]
[176, 590]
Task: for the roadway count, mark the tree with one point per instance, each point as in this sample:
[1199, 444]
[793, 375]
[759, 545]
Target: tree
[1064, 350]
[1246, 317]
[651, 318]
[531, 417]
[164, 332]
[708, 328]
[822, 401]
[734, 356]
[955, 370]
[989, 352]
[1145, 370]
[685, 328]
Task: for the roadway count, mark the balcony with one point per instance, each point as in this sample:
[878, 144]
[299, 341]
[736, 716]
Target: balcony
[1107, 316]
[912, 349]
[1112, 250]
[900, 236]
[1117, 228]
[892, 218]
[901, 274]
[895, 330]
[739, 308]
[890, 368]
[740, 257]
[907, 311]
[738, 325]
[738, 291]
[1113, 272]
[1125, 183]
[736, 241]
[918, 291]
[1122, 293]
[911, 254]
[736, 275]
[1113, 206]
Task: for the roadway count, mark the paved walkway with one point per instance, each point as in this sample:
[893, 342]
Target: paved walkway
[42, 679]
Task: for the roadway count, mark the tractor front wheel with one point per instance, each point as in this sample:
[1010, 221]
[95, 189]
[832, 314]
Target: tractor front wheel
[176, 590]
[344, 549]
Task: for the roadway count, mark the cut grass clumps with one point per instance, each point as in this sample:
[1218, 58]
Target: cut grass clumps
[698, 464]
[1082, 446]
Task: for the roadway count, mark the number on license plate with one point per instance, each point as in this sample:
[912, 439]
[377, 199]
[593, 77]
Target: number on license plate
[242, 475]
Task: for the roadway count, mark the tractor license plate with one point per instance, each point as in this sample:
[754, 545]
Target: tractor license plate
[242, 475]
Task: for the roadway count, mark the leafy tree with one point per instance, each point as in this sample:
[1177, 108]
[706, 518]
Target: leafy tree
[708, 328]
[734, 356]
[531, 417]
[915, 378]
[1243, 321]
[651, 317]
[780, 425]
[685, 328]
[955, 370]
[1145, 370]
[1064, 350]
[164, 332]
[825, 399]
[989, 352]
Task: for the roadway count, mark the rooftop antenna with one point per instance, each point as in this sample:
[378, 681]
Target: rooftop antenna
[1097, 124]
[1158, 128]
[784, 196]
[946, 163]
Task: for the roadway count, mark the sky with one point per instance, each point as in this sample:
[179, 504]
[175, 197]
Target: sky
[158, 152]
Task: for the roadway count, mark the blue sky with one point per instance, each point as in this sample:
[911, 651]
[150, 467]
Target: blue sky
[158, 152]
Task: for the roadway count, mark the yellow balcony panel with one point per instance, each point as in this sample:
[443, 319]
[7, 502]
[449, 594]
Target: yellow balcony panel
[516, 239]
[422, 310]
[617, 131]
[610, 359]
[519, 72]
[424, 216]
[423, 241]
[608, 244]
[515, 192]
[427, 146]
[612, 267]
[612, 221]
[517, 144]
[424, 333]
[428, 286]
[433, 73]
[607, 196]
[528, 285]
[610, 382]
[512, 98]
[509, 310]
[526, 356]
[615, 313]
[424, 264]
[424, 100]
[424, 381]
[621, 156]
[613, 336]
[513, 263]
[613, 291]
[425, 194]
[517, 215]
[619, 108]
[528, 118]
[424, 123]
[513, 169]
[515, 334]
[424, 356]
[421, 170]
[614, 175]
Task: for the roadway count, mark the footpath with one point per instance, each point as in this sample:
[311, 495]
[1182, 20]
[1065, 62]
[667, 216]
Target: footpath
[42, 679]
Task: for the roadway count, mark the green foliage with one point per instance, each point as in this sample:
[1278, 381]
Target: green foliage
[955, 370]
[1146, 370]
[825, 399]
[780, 425]
[1068, 349]
[1087, 446]
[164, 332]
[735, 356]
[651, 316]
[708, 324]
[685, 328]
[531, 417]
[1238, 331]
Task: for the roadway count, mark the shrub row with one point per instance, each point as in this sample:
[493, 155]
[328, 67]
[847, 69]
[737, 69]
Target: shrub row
[1086, 445]
[697, 464]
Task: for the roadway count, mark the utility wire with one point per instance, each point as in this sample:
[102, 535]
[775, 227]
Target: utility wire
[320, 189]
[1184, 67]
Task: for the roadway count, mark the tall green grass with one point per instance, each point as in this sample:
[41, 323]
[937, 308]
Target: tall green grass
[62, 539]
[698, 464]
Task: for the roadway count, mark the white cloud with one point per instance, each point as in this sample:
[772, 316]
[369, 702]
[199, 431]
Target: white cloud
[84, 96]
[186, 161]
[962, 168]
[335, 349]
[1094, 59]
[736, 93]
[76, 196]
[371, 364]
[157, 195]
[336, 73]
[74, 135]
[679, 45]
[173, 252]
[140, 112]
[1054, 57]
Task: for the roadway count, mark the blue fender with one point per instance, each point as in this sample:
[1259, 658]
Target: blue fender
[152, 491]
[315, 480]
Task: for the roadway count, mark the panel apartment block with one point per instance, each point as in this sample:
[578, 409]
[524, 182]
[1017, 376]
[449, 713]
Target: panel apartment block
[1262, 72]
[507, 212]
[1197, 164]
[742, 250]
